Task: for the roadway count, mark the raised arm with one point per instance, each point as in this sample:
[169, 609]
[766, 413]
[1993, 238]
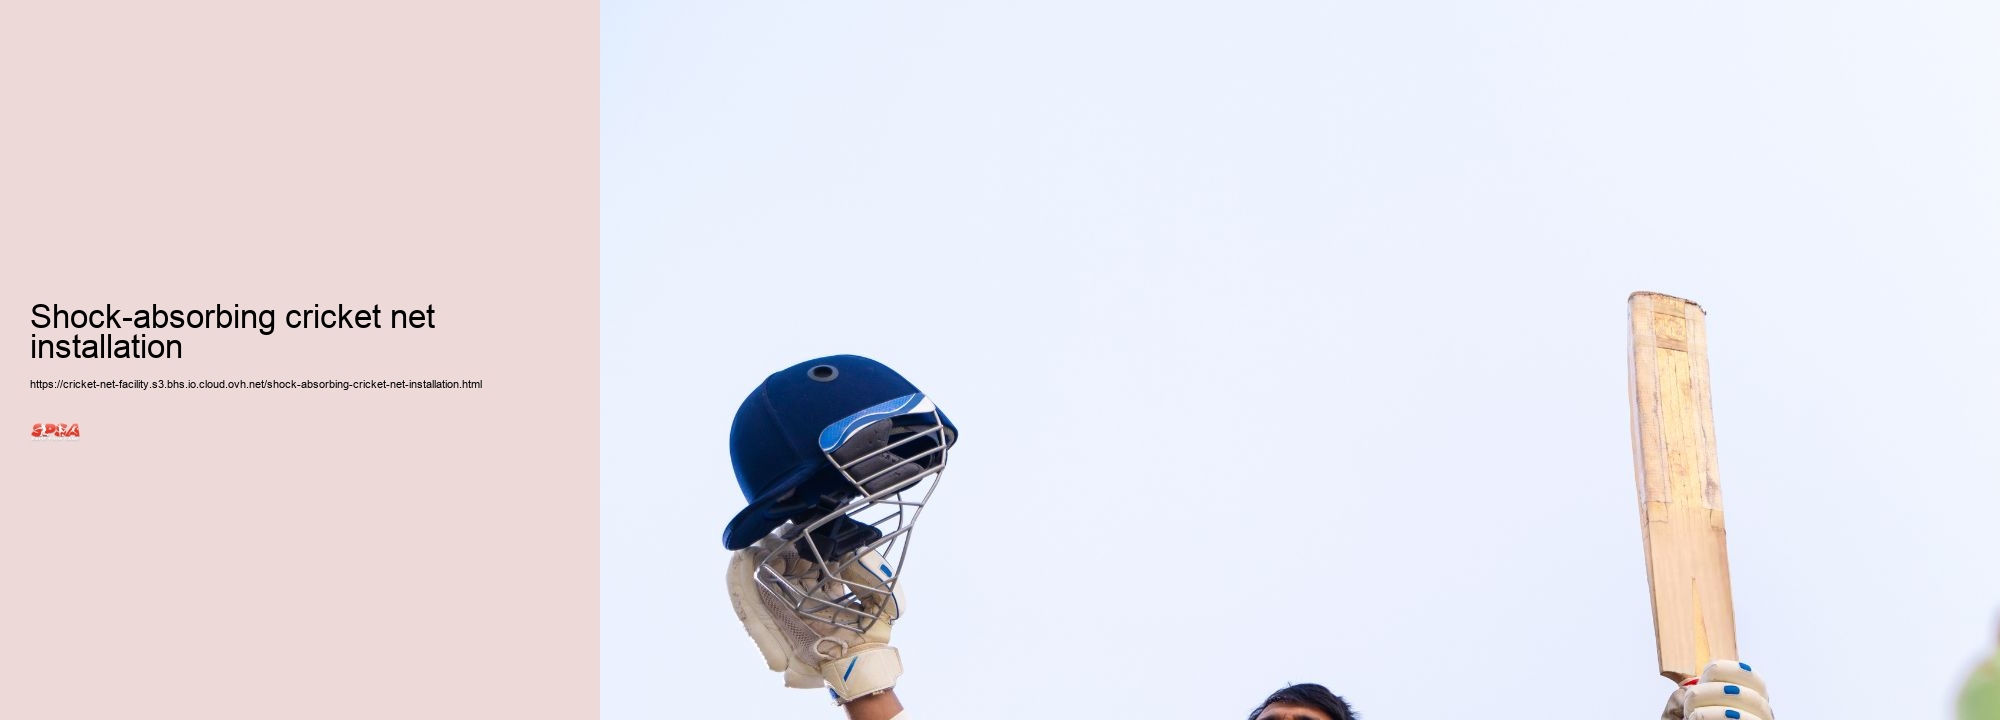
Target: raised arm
[883, 706]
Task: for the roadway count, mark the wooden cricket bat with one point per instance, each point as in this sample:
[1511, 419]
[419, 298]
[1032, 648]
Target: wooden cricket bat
[1680, 488]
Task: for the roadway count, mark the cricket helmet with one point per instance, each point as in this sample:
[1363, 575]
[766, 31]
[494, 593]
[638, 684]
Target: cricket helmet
[799, 441]
[836, 457]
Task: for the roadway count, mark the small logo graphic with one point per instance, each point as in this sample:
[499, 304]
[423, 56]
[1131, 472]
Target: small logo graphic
[57, 430]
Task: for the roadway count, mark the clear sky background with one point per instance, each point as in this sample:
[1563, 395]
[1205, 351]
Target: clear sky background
[1287, 339]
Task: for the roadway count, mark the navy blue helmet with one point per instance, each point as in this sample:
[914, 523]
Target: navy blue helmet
[816, 437]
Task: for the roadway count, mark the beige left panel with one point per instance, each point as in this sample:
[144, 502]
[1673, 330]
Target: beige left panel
[246, 552]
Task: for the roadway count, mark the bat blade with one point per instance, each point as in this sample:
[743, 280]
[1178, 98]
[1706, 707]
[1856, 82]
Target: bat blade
[1680, 487]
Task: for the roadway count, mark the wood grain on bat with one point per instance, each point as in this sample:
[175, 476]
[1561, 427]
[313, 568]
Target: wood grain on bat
[1680, 488]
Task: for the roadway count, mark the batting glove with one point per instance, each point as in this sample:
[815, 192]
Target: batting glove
[809, 652]
[1726, 690]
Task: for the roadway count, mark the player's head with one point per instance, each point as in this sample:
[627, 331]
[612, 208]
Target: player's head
[836, 457]
[1305, 701]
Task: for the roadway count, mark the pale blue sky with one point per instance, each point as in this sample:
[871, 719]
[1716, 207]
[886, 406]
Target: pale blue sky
[1287, 339]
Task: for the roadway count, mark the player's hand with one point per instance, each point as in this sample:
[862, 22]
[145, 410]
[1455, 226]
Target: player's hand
[1726, 690]
[808, 651]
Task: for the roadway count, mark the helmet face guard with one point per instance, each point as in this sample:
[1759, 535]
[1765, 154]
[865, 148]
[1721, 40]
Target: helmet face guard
[838, 561]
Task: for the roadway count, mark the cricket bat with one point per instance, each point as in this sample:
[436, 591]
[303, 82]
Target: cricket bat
[1680, 488]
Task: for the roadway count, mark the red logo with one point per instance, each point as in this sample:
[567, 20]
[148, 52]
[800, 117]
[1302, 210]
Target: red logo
[57, 430]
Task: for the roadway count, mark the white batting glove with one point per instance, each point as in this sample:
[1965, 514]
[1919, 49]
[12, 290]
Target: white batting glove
[812, 653]
[1726, 690]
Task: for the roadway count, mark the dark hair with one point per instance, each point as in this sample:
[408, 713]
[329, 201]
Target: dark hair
[1310, 695]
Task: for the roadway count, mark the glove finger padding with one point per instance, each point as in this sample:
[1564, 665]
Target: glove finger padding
[1716, 713]
[1730, 684]
[1734, 672]
[867, 579]
[1727, 695]
[1726, 690]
